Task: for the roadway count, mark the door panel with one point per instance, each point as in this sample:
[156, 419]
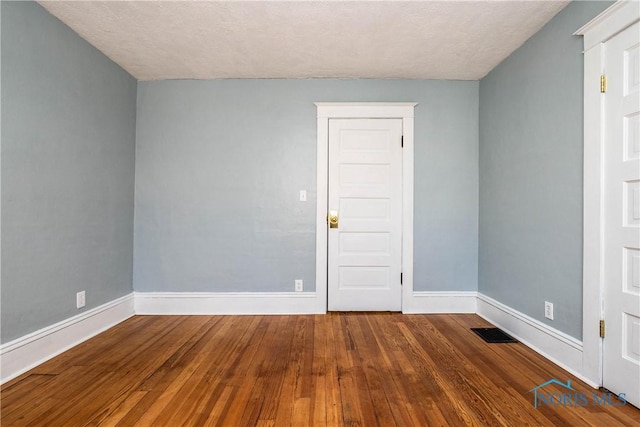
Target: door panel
[365, 187]
[621, 356]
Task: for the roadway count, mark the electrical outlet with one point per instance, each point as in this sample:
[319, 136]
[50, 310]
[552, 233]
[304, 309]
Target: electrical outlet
[548, 310]
[299, 285]
[80, 299]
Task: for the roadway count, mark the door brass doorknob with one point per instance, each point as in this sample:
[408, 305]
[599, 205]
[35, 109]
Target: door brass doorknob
[333, 219]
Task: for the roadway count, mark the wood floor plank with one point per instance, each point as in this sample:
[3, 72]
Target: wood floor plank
[489, 366]
[399, 377]
[21, 390]
[236, 373]
[339, 369]
[351, 409]
[225, 386]
[469, 358]
[334, 398]
[215, 373]
[112, 418]
[320, 406]
[195, 357]
[43, 399]
[214, 416]
[370, 359]
[261, 385]
[165, 365]
[458, 410]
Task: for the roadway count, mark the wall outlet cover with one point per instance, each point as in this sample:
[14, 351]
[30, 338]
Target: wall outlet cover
[81, 299]
[548, 310]
[299, 286]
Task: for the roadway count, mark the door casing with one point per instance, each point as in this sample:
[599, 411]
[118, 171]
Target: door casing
[616, 18]
[367, 110]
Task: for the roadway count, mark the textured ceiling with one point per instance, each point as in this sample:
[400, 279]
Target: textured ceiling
[156, 40]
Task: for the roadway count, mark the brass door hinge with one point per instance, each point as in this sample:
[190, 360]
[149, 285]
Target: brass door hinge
[603, 83]
[602, 329]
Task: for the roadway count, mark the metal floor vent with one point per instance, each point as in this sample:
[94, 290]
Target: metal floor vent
[493, 335]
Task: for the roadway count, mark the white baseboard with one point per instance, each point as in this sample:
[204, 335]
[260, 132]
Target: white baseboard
[227, 303]
[29, 351]
[207, 303]
[560, 348]
[421, 302]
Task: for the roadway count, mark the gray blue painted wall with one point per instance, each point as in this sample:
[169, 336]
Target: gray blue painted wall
[531, 167]
[220, 163]
[68, 154]
[219, 166]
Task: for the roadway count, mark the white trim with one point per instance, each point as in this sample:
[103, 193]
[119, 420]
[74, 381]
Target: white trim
[365, 110]
[614, 19]
[29, 351]
[209, 303]
[610, 22]
[428, 302]
[341, 110]
[322, 194]
[592, 260]
[560, 348]
[407, 211]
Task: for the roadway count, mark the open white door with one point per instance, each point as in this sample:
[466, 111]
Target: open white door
[621, 357]
[365, 195]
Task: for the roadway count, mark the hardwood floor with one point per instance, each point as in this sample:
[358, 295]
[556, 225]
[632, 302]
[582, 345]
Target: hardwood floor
[368, 369]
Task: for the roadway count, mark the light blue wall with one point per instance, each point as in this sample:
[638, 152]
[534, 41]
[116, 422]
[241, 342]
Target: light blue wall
[68, 136]
[531, 173]
[219, 165]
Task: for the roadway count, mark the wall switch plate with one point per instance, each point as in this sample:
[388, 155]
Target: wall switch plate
[299, 285]
[303, 195]
[548, 310]
[80, 299]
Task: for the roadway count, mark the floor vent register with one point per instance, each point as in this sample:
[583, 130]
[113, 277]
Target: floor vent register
[494, 335]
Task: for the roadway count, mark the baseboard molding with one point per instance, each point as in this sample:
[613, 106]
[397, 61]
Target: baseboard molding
[560, 348]
[29, 351]
[421, 302]
[208, 303]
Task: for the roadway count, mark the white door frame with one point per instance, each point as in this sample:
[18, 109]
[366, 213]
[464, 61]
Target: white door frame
[616, 18]
[366, 110]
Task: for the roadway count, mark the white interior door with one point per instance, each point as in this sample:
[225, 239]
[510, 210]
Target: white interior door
[621, 356]
[365, 190]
